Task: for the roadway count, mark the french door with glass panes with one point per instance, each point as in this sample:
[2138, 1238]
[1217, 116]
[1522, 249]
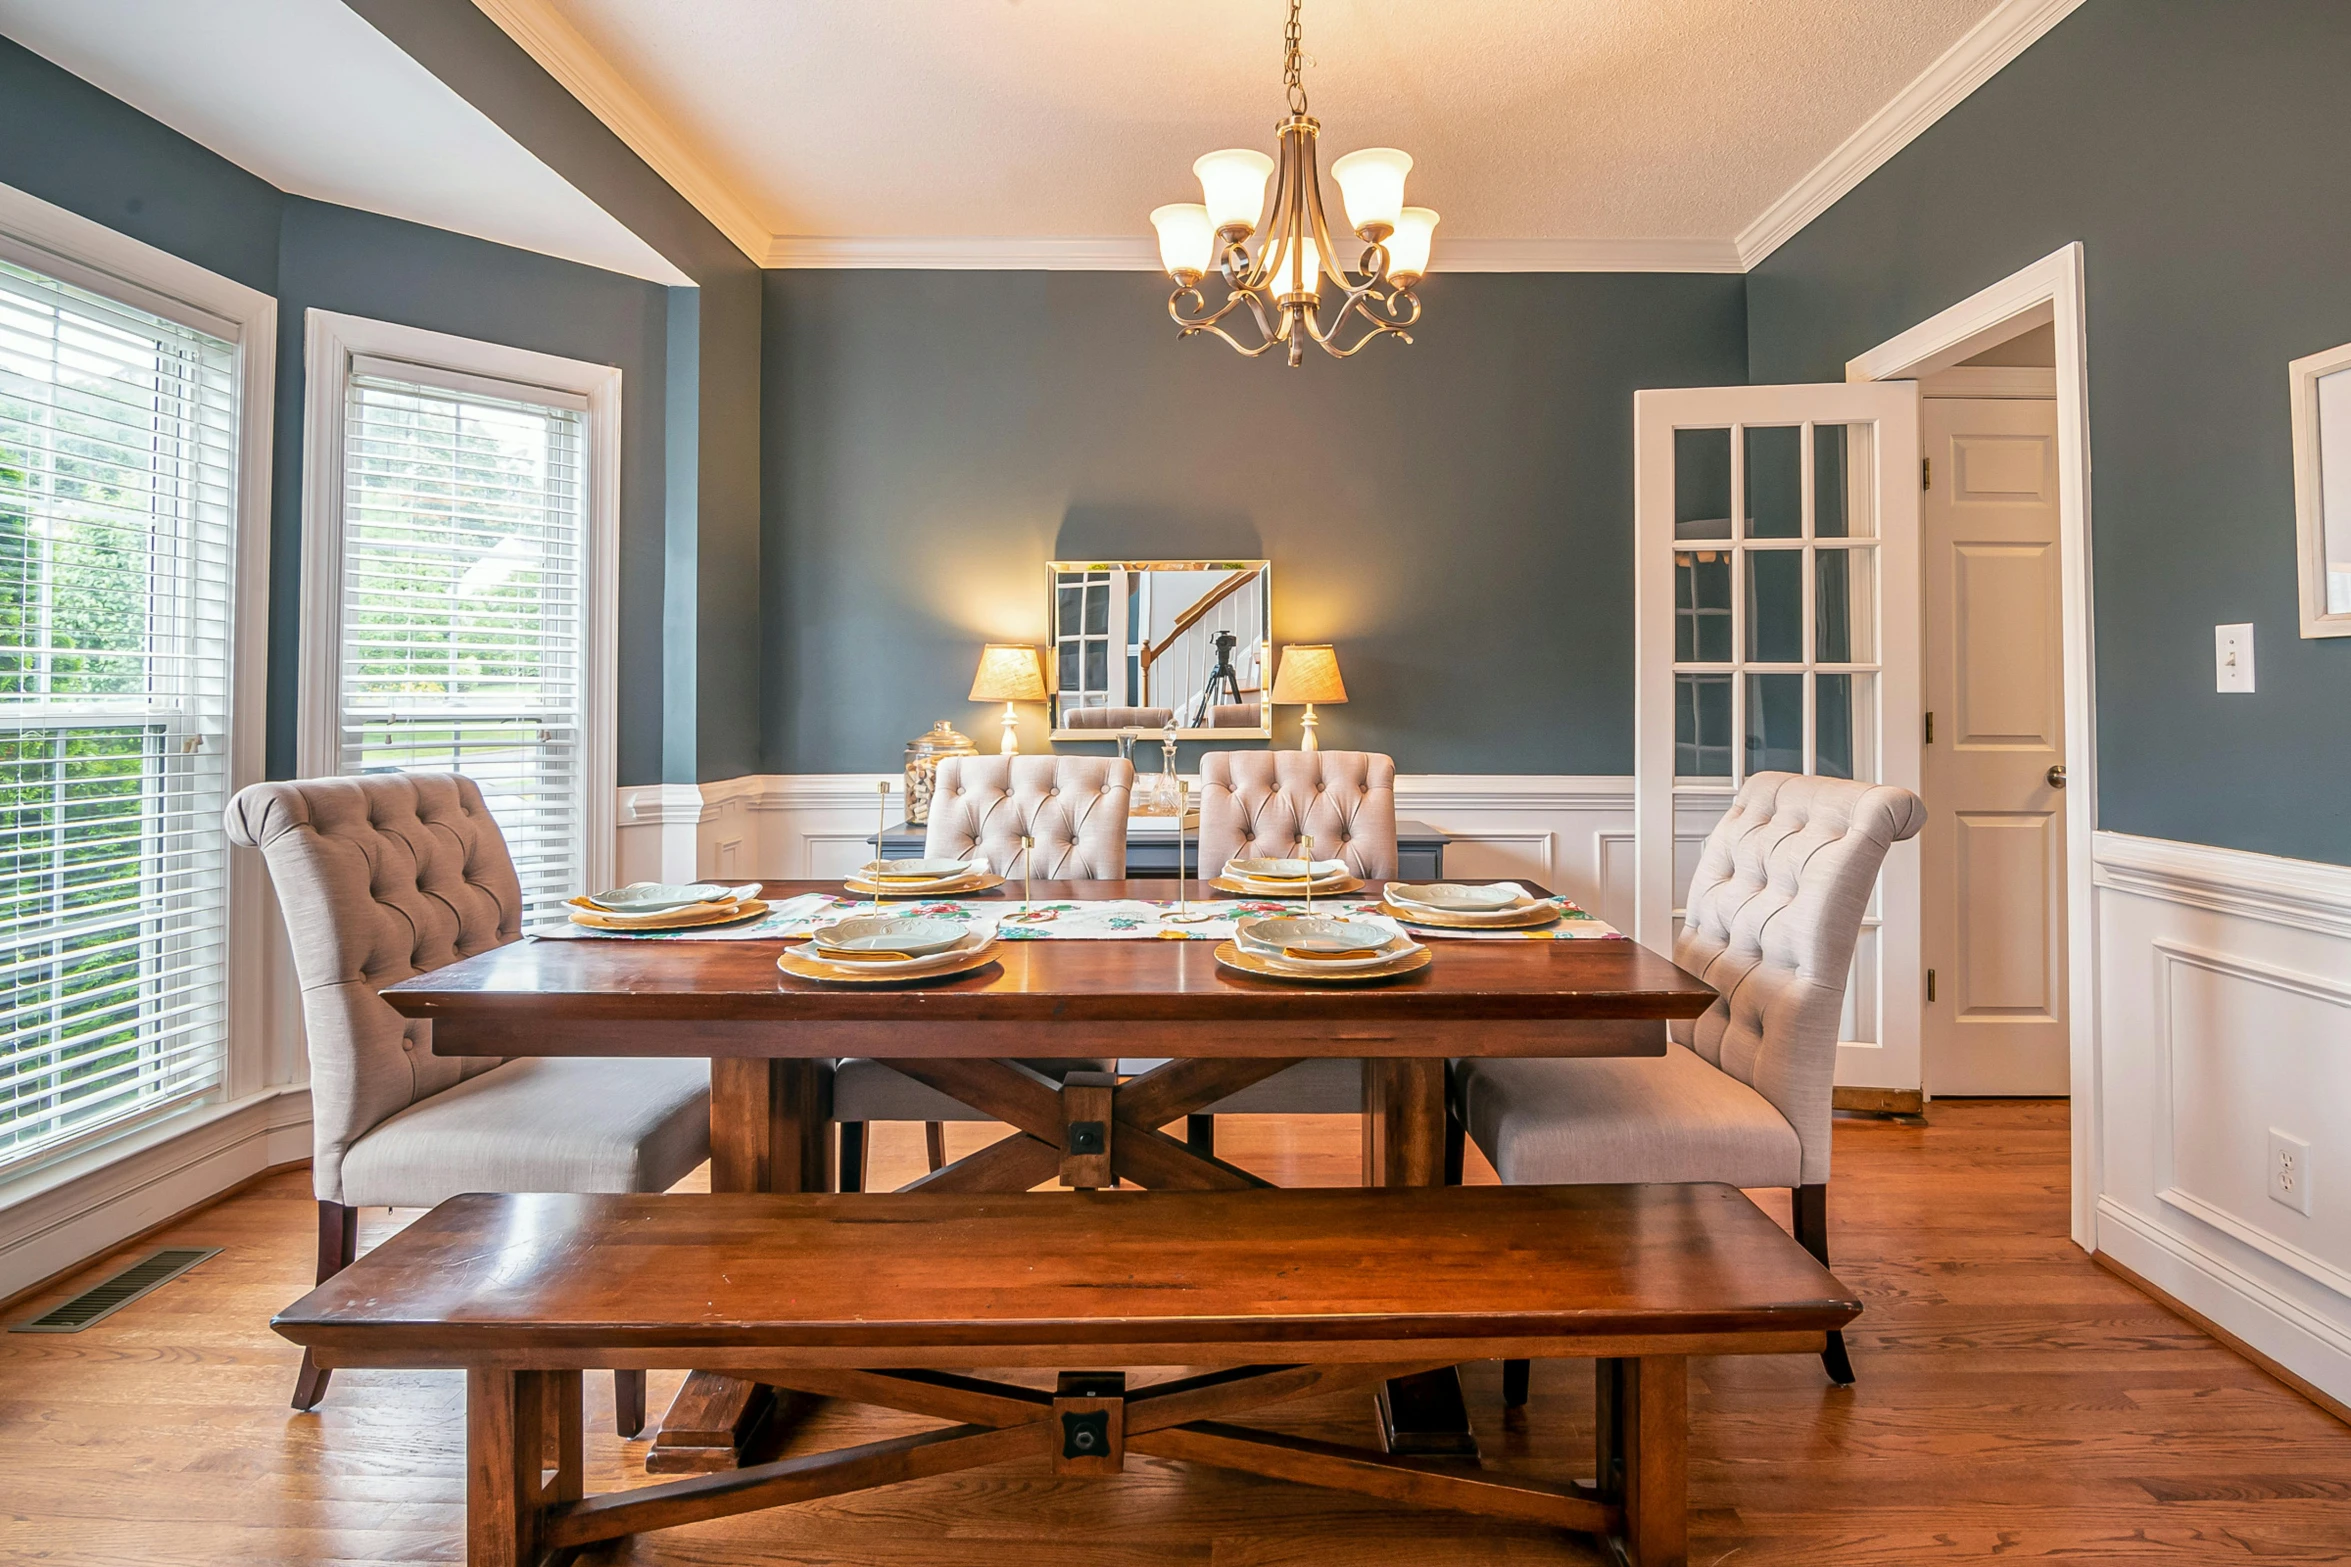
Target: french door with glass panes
[1776, 622]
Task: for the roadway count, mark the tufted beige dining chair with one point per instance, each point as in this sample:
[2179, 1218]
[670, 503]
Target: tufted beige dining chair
[1271, 804]
[1743, 1093]
[1075, 807]
[389, 875]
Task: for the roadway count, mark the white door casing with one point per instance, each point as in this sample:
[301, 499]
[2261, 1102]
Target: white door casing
[1776, 592]
[1992, 857]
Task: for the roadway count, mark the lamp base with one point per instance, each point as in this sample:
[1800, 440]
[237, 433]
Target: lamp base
[1306, 740]
[1011, 745]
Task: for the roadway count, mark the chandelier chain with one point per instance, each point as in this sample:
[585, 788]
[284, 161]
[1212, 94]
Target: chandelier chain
[1294, 57]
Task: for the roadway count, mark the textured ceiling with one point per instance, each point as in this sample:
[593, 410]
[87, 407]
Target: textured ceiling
[1530, 119]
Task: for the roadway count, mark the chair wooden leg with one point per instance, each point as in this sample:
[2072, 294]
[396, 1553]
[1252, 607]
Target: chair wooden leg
[852, 1156]
[1200, 1134]
[1516, 1374]
[628, 1402]
[1812, 1233]
[338, 1248]
[934, 1143]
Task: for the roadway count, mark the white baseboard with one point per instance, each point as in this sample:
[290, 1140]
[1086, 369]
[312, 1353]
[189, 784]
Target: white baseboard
[62, 1216]
[2312, 1345]
[2223, 1016]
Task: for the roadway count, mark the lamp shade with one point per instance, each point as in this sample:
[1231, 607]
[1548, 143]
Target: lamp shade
[1309, 673]
[1009, 672]
[1308, 260]
[1372, 181]
[1408, 247]
[1186, 241]
[1233, 183]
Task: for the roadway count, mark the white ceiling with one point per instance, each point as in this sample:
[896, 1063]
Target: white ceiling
[308, 96]
[1568, 121]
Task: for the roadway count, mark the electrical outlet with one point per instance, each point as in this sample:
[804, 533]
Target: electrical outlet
[2289, 1171]
[2232, 658]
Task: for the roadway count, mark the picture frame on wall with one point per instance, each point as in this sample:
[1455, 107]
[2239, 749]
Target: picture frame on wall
[2322, 489]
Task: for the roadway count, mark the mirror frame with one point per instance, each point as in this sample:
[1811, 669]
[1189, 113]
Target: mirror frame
[1053, 572]
[2310, 490]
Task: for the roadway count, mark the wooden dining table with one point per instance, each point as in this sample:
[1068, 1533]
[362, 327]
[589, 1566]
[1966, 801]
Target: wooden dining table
[770, 1038]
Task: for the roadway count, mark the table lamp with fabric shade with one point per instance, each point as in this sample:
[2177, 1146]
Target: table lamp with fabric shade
[1309, 673]
[1009, 672]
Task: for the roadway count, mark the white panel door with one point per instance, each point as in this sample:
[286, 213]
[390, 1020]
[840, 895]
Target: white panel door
[1776, 614]
[1993, 852]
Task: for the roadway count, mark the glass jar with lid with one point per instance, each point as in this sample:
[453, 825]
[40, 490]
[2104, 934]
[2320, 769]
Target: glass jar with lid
[923, 756]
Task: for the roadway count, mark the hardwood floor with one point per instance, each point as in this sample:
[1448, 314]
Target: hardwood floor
[2014, 1401]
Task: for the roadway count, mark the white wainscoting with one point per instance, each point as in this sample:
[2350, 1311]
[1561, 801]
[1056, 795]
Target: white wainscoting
[2224, 1013]
[1574, 834]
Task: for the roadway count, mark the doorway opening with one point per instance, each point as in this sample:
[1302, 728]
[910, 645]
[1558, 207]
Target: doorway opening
[2008, 768]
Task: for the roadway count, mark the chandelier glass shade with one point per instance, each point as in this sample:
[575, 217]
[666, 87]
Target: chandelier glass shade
[1285, 280]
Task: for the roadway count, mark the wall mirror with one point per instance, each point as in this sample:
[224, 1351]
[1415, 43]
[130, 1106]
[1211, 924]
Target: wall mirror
[2322, 489]
[1140, 643]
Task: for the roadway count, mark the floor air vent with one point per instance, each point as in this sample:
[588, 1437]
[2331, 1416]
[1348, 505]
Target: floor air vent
[111, 1295]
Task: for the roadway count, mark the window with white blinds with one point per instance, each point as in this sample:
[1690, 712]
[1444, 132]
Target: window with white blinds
[118, 453]
[464, 607]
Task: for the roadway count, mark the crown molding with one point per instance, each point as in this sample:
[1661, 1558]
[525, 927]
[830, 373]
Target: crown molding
[568, 57]
[1974, 60]
[1140, 253]
[1991, 44]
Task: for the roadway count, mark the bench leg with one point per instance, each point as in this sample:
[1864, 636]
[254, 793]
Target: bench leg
[934, 1144]
[1515, 1376]
[628, 1402]
[1642, 1445]
[852, 1156]
[1811, 1208]
[515, 1421]
[338, 1248]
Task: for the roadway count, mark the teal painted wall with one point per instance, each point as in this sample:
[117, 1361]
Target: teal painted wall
[1455, 514]
[2201, 155]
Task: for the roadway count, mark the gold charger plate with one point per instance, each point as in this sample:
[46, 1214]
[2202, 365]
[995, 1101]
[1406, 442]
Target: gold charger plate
[797, 962]
[985, 882]
[1540, 914]
[1232, 956]
[1337, 887]
[748, 909]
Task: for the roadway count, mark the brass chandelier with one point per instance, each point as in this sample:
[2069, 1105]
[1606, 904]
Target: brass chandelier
[1284, 282]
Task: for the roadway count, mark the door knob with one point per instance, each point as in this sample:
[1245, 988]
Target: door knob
[2057, 776]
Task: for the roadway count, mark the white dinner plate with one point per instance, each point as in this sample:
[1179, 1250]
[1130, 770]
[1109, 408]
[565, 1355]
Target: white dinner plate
[1452, 897]
[657, 897]
[1293, 871]
[972, 941]
[914, 935]
[1292, 940]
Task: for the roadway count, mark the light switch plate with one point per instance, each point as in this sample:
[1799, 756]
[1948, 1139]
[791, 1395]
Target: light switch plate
[2289, 1170]
[2232, 658]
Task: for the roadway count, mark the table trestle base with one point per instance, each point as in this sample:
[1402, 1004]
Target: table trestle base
[525, 1505]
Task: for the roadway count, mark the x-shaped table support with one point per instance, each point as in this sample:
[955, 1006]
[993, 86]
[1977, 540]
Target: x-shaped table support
[1090, 1130]
[1092, 1420]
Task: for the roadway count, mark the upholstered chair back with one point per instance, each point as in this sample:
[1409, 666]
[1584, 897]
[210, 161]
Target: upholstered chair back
[1773, 911]
[381, 877]
[1152, 718]
[1270, 803]
[1075, 807]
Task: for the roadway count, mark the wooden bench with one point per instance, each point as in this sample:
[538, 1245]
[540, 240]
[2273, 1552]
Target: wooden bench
[1258, 1295]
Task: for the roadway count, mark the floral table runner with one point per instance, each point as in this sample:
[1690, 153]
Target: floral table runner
[1105, 919]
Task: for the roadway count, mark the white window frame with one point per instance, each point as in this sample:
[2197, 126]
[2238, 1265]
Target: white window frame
[89, 255]
[332, 341]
